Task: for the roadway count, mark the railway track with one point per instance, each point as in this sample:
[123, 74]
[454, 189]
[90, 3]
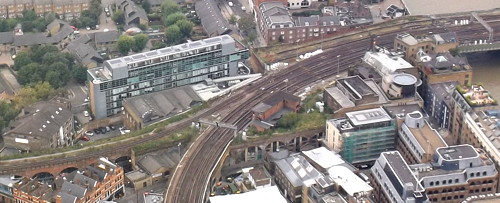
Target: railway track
[190, 182]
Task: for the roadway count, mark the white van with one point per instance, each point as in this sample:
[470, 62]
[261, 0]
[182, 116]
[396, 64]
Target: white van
[86, 113]
[243, 8]
[230, 4]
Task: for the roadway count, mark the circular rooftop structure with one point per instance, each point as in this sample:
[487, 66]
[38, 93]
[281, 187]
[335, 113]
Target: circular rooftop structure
[404, 79]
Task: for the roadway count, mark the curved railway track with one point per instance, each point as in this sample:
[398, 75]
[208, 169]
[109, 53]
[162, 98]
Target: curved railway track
[189, 182]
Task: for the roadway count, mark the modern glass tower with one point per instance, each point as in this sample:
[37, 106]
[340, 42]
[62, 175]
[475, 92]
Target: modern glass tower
[161, 69]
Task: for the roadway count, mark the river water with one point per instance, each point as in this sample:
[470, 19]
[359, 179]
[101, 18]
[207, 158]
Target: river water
[486, 69]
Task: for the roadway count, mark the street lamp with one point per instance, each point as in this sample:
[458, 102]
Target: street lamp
[297, 48]
[179, 148]
[338, 65]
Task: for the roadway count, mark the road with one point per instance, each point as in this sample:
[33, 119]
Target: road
[196, 165]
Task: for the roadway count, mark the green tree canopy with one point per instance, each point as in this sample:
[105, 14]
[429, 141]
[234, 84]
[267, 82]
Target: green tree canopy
[185, 27]
[118, 17]
[124, 44]
[233, 20]
[173, 34]
[246, 24]
[140, 41]
[173, 18]
[30, 94]
[7, 113]
[168, 7]
[146, 6]
[80, 74]
[22, 59]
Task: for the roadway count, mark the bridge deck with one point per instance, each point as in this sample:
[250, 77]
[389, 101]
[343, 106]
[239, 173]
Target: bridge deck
[479, 47]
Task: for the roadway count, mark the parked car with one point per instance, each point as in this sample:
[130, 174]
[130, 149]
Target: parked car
[96, 27]
[97, 131]
[86, 113]
[230, 4]
[124, 130]
[108, 129]
[84, 138]
[87, 28]
[102, 129]
[89, 133]
[112, 127]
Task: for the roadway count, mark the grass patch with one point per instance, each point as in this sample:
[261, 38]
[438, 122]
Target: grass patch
[113, 140]
[184, 136]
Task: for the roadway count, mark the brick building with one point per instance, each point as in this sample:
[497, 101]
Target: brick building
[69, 9]
[96, 182]
[353, 93]
[277, 25]
[47, 124]
[266, 113]
[468, 99]
[431, 44]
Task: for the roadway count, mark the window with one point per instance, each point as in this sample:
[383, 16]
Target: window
[456, 180]
[484, 173]
[471, 174]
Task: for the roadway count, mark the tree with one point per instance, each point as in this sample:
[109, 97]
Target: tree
[29, 73]
[4, 26]
[29, 95]
[39, 51]
[159, 45]
[233, 20]
[146, 6]
[53, 78]
[142, 27]
[173, 34]
[246, 24]
[39, 24]
[140, 41]
[80, 74]
[29, 15]
[173, 18]
[7, 113]
[168, 7]
[185, 27]
[118, 17]
[22, 59]
[124, 44]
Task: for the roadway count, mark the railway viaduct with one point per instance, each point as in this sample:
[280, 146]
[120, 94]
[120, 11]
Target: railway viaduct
[62, 165]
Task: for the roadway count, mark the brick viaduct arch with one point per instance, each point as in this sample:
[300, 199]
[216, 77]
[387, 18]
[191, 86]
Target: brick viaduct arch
[31, 167]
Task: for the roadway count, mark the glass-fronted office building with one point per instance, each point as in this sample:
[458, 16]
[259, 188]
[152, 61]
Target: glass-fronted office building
[161, 69]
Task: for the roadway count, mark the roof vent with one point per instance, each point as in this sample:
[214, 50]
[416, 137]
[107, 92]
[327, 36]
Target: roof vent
[60, 109]
[52, 116]
[48, 122]
[44, 126]
[57, 112]
[37, 110]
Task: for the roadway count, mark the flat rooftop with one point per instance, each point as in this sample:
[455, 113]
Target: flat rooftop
[428, 138]
[421, 7]
[385, 63]
[349, 181]
[189, 46]
[356, 86]
[457, 152]
[324, 157]
[400, 168]
[368, 116]
[266, 194]
[478, 96]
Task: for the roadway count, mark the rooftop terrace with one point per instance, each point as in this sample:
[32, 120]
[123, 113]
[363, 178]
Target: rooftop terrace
[476, 95]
